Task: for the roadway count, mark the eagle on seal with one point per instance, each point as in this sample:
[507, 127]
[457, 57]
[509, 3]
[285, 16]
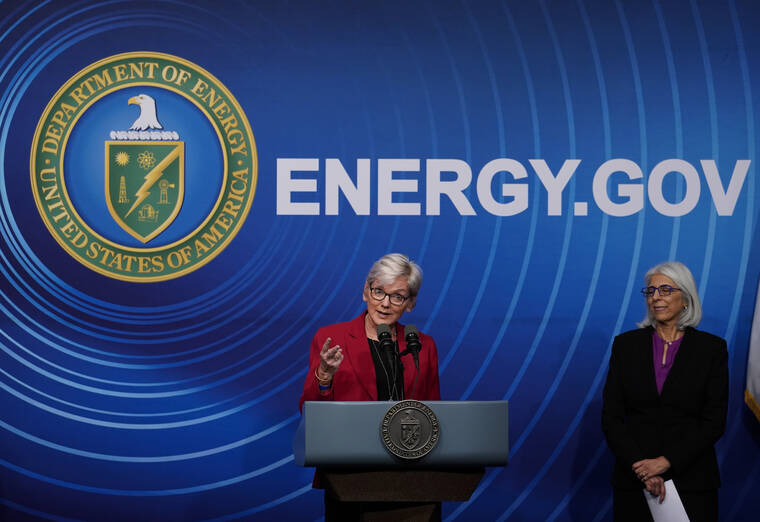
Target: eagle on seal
[147, 119]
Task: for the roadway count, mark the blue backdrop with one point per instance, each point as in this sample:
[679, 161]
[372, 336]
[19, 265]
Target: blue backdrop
[178, 399]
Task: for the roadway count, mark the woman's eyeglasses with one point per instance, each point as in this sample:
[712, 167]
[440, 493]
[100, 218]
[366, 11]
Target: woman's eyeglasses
[378, 294]
[664, 290]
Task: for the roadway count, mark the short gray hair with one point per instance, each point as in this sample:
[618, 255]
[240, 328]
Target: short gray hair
[392, 266]
[683, 279]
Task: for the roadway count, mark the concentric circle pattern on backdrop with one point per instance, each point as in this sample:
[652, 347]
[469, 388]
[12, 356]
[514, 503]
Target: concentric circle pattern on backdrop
[177, 399]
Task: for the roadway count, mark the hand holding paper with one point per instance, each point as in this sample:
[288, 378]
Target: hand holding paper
[670, 509]
[656, 487]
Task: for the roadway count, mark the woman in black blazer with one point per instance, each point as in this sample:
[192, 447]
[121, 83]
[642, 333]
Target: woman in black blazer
[665, 402]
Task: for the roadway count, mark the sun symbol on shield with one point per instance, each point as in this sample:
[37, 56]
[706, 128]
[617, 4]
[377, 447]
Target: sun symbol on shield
[146, 160]
[122, 159]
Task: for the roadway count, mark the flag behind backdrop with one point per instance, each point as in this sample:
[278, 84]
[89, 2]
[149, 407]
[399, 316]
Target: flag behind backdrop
[188, 190]
[752, 393]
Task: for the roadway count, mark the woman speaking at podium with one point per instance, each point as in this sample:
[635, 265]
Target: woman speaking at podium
[373, 358]
[665, 402]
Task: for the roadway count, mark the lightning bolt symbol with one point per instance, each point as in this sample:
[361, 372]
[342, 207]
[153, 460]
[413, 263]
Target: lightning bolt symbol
[151, 178]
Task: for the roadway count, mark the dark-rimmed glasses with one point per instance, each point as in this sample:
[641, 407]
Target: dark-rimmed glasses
[664, 290]
[378, 294]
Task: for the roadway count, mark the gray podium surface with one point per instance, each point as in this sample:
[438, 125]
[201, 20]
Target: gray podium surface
[347, 434]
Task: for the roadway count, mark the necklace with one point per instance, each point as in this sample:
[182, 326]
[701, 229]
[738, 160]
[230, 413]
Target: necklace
[665, 345]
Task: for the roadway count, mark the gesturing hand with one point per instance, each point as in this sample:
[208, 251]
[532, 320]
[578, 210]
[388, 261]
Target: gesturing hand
[330, 359]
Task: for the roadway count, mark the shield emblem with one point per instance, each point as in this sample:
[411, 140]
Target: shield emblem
[410, 431]
[145, 185]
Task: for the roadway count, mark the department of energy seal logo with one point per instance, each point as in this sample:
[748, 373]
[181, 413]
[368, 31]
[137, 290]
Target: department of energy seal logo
[162, 164]
[409, 429]
[143, 166]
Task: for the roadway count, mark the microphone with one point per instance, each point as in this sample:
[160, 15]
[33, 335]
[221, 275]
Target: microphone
[387, 348]
[389, 358]
[413, 344]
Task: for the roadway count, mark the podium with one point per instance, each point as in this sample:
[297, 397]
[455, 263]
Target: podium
[399, 460]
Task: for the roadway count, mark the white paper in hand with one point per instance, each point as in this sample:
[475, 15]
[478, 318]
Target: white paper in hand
[671, 509]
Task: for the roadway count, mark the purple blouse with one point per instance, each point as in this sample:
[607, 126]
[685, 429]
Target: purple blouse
[661, 371]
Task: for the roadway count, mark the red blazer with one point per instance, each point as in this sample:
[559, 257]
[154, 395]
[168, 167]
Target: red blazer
[355, 380]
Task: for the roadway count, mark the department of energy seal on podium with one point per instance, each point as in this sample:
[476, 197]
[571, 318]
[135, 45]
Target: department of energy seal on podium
[409, 430]
[143, 166]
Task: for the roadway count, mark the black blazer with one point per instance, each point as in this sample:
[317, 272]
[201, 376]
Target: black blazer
[683, 424]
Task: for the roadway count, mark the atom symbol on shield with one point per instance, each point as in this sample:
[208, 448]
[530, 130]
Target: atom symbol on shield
[146, 160]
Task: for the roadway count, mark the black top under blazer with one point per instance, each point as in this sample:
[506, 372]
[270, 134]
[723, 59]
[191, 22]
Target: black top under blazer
[682, 424]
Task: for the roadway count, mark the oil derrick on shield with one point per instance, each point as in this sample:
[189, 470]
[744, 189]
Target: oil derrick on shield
[149, 162]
